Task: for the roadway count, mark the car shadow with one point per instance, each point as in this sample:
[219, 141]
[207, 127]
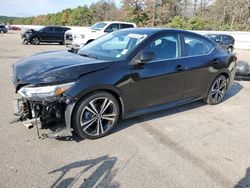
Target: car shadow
[98, 172]
[245, 181]
[231, 92]
[155, 115]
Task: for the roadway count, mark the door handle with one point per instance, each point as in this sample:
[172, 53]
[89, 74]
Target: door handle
[179, 68]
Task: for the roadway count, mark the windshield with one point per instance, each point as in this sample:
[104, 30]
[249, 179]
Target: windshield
[98, 26]
[39, 29]
[115, 45]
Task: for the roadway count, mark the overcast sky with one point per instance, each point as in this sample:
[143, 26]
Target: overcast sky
[23, 8]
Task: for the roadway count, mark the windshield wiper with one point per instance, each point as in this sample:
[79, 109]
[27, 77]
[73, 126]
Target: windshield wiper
[87, 55]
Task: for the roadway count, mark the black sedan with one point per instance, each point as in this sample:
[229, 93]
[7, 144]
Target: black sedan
[123, 74]
[50, 34]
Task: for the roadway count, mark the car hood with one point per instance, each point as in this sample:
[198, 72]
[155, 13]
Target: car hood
[54, 67]
[87, 31]
[79, 30]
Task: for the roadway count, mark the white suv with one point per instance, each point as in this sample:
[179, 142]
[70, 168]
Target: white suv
[76, 38]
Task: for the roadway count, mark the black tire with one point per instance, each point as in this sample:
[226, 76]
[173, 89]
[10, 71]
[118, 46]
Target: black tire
[91, 125]
[217, 91]
[62, 42]
[35, 40]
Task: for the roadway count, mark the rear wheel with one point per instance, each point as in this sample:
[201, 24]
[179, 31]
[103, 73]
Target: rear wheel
[35, 40]
[96, 115]
[217, 91]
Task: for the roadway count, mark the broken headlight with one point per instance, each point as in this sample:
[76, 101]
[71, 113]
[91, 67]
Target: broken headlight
[44, 91]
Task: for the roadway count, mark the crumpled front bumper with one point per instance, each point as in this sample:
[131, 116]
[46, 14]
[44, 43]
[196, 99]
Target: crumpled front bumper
[29, 118]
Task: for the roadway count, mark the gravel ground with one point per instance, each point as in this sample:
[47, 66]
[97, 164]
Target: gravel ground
[195, 145]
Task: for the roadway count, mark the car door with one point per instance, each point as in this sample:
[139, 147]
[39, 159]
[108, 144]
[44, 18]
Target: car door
[47, 34]
[58, 34]
[161, 80]
[197, 59]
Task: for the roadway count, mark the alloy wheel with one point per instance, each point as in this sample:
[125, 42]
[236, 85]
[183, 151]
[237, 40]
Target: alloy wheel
[219, 89]
[98, 116]
[35, 40]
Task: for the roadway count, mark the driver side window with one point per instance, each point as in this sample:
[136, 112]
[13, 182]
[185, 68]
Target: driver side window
[112, 27]
[165, 47]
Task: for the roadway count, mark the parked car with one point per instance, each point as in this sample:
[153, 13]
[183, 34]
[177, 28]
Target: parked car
[242, 71]
[50, 34]
[3, 29]
[227, 41]
[120, 75]
[13, 27]
[74, 39]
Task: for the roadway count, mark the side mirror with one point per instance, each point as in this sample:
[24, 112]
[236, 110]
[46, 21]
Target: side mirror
[217, 40]
[147, 56]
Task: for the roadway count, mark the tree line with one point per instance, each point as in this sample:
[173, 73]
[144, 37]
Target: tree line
[183, 14]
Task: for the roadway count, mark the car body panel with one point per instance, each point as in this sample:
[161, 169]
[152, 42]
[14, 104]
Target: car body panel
[54, 67]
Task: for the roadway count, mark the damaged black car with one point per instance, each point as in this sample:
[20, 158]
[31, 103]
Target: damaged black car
[120, 75]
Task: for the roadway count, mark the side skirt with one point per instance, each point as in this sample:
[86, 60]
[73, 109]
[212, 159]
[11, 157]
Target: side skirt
[162, 107]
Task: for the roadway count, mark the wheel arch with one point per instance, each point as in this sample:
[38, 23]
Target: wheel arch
[224, 73]
[71, 107]
[35, 36]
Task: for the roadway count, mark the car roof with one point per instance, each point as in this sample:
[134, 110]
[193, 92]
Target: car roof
[56, 26]
[153, 30]
[217, 34]
[119, 22]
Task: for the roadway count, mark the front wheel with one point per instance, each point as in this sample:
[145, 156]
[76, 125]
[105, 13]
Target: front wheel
[217, 91]
[35, 40]
[96, 115]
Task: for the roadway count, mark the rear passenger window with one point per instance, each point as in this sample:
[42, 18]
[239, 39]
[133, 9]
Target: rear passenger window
[124, 26]
[58, 30]
[196, 46]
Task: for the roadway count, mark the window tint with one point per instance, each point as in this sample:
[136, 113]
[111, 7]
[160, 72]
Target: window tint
[227, 38]
[196, 46]
[58, 30]
[123, 26]
[165, 47]
[112, 27]
[48, 30]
